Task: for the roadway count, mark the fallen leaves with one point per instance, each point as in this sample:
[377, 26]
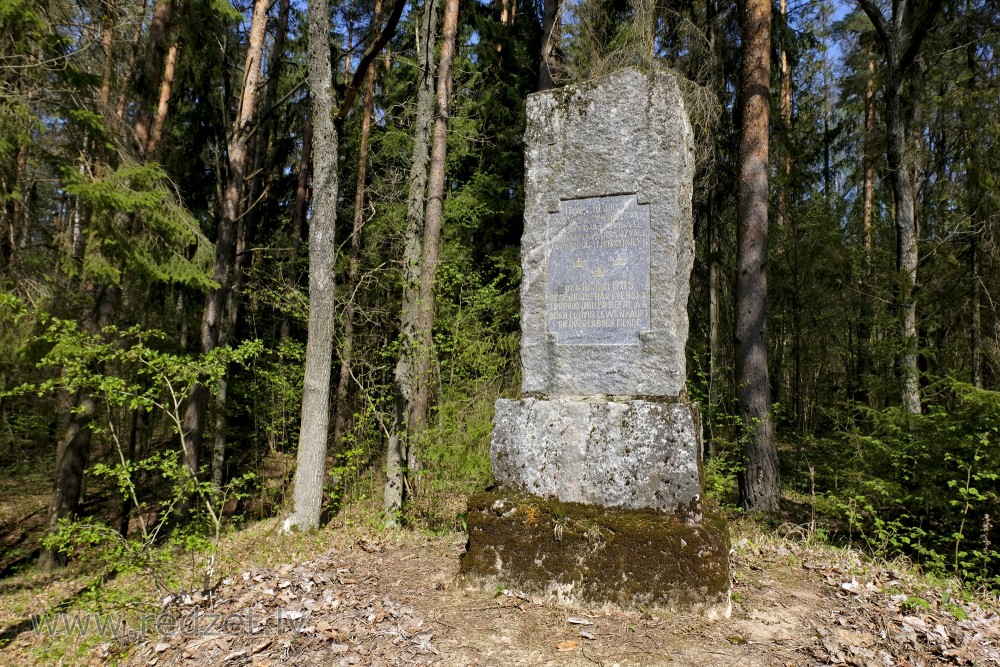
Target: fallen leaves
[320, 612]
[882, 625]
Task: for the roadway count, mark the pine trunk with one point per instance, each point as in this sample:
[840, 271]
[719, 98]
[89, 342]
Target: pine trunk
[166, 86]
[867, 213]
[713, 327]
[354, 262]
[225, 242]
[150, 73]
[242, 260]
[786, 124]
[263, 138]
[432, 227]
[107, 41]
[868, 185]
[977, 224]
[759, 482]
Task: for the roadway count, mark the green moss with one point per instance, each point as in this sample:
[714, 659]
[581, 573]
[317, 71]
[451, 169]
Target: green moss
[579, 553]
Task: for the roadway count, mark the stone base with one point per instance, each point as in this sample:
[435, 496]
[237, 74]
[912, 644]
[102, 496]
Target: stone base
[629, 453]
[586, 556]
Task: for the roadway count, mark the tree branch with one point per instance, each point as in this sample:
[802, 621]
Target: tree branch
[381, 39]
[875, 15]
[920, 30]
[900, 13]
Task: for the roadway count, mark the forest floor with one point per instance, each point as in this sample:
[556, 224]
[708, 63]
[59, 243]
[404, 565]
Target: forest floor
[356, 595]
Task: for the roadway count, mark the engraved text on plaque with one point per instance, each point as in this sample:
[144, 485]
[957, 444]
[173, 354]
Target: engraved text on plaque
[598, 271]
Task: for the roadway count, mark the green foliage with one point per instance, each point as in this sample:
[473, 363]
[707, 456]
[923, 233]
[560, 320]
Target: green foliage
[923, 485]
[135, 373]
[477, 351]
[155, 548]
[138, 227]
[125, 369]
[272, 381]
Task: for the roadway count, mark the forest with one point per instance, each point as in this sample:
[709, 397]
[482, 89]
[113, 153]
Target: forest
[262, 259]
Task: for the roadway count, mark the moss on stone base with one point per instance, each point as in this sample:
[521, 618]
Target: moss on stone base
[583, 555]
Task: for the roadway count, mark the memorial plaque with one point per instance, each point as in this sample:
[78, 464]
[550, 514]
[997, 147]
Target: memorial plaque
[603, 448]
[597, 292]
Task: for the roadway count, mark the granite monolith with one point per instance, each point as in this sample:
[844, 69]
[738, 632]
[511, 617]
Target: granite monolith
[600, 488]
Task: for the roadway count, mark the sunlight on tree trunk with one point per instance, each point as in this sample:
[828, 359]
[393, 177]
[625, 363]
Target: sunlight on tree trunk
[225, 242]
[310, 468]
[432, 233]
[760, 489]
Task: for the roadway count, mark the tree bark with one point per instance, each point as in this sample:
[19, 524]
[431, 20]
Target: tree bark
[786, 123]
[354, 262]
[906, 245]
[412, 252]
[548, 69]
[150, 73]
[225, 242]
[713, 327]
[432, 229]
[107, 41]
[975, 330]
[900, 39]
[868, 186]
[308, 483]
[311, 459]
[977, 224]
[759, 483]
[263, 138]
[868, 208]
[166, 86]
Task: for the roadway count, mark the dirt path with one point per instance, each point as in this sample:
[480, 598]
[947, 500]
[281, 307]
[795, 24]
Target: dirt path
[389, 601]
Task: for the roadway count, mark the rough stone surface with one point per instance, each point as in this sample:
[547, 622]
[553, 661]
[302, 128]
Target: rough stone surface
[600, 158]
[601, 497]
[582, 555]
[633, 454]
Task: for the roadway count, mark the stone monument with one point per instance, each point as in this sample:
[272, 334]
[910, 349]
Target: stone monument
[600, 491]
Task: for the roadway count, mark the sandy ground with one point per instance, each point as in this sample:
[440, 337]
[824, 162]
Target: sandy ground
[361, 596]
[391, 602]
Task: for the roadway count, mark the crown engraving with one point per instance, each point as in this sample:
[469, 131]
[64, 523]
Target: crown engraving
[597, 273]
[578, 263]
[618, 262]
